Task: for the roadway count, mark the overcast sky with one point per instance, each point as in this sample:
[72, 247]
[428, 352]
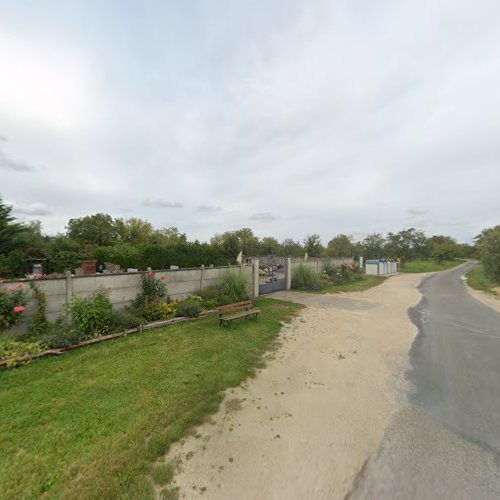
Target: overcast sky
[289, 117]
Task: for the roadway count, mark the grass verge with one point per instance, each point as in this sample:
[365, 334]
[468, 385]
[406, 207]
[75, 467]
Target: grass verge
[428, 266]
[477, 279]
[97, 420]
[359, 285]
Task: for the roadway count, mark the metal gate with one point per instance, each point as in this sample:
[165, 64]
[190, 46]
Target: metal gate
[272, 274]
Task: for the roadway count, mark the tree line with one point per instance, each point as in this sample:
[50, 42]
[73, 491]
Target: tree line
[135, 243]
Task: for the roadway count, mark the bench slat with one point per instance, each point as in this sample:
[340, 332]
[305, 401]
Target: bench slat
[232, 307]
[241, 315]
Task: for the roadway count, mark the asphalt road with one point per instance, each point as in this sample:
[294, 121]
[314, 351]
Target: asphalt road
[445, 441]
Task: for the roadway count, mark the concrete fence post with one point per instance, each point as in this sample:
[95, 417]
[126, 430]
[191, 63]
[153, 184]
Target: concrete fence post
[255, 276]
[288, 273]
[69, 292]
[202, 276]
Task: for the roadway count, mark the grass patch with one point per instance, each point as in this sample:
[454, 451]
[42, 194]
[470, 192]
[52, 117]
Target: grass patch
[363, 283]
[427, 266]
[96, 420]
[477, 279]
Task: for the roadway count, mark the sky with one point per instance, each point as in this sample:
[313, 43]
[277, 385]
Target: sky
[289, 117]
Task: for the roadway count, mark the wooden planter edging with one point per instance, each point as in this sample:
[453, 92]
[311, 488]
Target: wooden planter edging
[149, 326]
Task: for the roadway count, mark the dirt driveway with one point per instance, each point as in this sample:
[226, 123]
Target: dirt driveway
[304, 427]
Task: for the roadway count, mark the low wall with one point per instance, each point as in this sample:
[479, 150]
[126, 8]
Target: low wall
[123, 288]
[318, 264]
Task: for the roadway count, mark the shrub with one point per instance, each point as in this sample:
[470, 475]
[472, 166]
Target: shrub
[39, 324]
[234, 286]
[60, 334]
[153, 289]
[212, 297]
[127, 318]
[158, 310]
[15, 352]
[189, 308]
[488, 243]
[304, 278]
[91, 316]
[12, 304]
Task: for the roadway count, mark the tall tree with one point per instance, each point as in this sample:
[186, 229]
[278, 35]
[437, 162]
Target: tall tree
[443, 247]
[291, 248]
[373, 246]
[488, 243]
[340, 246]
[407, 244]
[269, 245]
[134, 230]
[168, 236]
[98, 229]
[313, 245]
[10, 231]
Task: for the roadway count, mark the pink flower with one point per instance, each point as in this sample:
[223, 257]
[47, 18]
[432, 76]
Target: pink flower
[163, 278]
[19, 309]
[20, 285]
[11, 288]
[1, 281]
[151, 274]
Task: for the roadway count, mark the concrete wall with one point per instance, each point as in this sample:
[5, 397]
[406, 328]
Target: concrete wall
[317, 264]
[123, 288]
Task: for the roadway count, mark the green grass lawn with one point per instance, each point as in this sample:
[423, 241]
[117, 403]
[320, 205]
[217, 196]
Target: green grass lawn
[94, 422]
[479, 281]
[428, 266]
[355, 286]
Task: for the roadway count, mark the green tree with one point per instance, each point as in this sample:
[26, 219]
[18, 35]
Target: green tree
[134, 230]
[269, 245]
[313, 245]
[167, 236]
[231, 243]
[340, 246]
[442, 248]
[10, 231]
[373, 246]
[98, 229]
[407, 244]
[488, 243]
[291, 248]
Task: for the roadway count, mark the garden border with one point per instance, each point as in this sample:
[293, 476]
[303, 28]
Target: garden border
[61, 350]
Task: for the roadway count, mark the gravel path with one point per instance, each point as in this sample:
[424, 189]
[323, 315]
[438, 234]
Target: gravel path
[307, 423]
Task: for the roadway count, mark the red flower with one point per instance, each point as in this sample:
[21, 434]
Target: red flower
[20, 285]
[19, 309]
[11, 288]
[151, 274]
[163, 278]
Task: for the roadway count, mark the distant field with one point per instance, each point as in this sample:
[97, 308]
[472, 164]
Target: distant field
[428, 266]
[479, 281]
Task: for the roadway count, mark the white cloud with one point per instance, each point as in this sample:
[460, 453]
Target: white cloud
[161, 203]
[39, 209]
[335, 116]
[42, 84]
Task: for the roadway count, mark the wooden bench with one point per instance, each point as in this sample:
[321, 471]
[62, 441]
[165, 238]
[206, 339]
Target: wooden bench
[239, 310]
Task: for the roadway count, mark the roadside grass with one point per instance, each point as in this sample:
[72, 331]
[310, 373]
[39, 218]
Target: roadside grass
[95, 422]
[477, 279]
[427, 266]
[364, 283]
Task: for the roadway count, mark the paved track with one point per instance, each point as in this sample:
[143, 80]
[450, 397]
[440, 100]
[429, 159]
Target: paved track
[445, 443]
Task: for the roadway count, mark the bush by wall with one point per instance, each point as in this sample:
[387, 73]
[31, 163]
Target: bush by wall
[91, 316]
[304, 278]
[13, 300]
